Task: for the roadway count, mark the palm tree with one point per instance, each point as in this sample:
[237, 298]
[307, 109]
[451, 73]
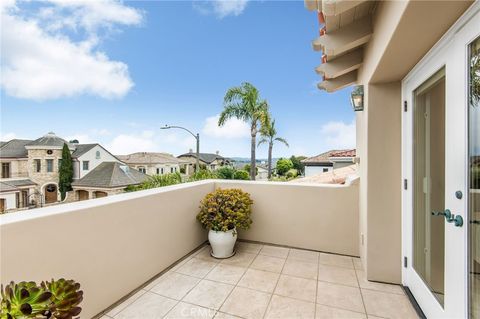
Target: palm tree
[244, 103]
[269, 135]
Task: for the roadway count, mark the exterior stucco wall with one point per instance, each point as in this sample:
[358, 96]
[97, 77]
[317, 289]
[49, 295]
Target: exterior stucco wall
[10, 200]
[91, 157]
[313, 170]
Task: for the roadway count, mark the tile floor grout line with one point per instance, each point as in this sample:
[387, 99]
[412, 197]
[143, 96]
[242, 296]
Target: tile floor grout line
[316, 287]
[276, 285]
[360, 290]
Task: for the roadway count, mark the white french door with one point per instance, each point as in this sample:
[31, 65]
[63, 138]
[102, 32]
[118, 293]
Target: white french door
[435, 167]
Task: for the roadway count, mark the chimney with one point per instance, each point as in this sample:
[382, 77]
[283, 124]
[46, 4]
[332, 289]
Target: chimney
[190, 151]
[217, 152]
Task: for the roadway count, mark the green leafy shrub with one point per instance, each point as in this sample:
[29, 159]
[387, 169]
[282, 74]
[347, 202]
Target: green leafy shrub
[225, 172]
[55, 299]
[283, 166]
[241, 175]
[292, 173]
[226, 209]
[157, 181]
[201, 175]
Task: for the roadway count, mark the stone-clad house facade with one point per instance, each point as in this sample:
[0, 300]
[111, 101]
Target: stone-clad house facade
[30, 172]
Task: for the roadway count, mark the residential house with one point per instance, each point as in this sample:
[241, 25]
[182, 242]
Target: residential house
[108, 178]
[153, 163]
[30, 170]
[208, 160]
[328, 161]
[404, 234]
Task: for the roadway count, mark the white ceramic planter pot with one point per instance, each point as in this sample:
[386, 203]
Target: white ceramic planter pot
[222, 243]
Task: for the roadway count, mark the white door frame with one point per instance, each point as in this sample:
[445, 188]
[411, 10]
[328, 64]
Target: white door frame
[449, 52]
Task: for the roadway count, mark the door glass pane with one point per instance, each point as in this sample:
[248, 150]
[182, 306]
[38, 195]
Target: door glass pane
[429, 183]
[474, 191]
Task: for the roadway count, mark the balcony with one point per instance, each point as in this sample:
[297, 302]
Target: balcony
[143, 255]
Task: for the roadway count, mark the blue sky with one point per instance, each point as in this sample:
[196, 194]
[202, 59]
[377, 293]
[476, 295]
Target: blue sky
[114, 72]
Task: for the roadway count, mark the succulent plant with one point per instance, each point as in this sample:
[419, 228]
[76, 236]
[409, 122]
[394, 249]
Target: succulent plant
[24, 300]
[65, 298]
[51, 299]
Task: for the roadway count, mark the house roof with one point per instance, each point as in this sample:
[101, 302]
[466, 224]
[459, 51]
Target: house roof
[111, 175]
[336, 176]
[149, 158]
[325, 157]
[49, 139]
[81, 149]
[344, 153]
[12, 185]
[14, 148]
[204, 157]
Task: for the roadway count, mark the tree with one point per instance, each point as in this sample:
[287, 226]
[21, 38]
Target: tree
[297, 163]
[283, 166]
[244, 103]
[269, 136]
[65, 176]
[247, 168]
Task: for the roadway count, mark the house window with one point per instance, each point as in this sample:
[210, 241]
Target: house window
[85, 165]
[5, 170]
[38, 165]
[171, 169]
[49, 165]
[161, 170]
[17, 200]
[158, 171]
[97, 155]
[325, 170]
[24, 198]
[142, 169]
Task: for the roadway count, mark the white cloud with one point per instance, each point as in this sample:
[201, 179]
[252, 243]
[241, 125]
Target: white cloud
[338, 135]
[221, 8]
[131, 143]
[39, 62]
[233, 128]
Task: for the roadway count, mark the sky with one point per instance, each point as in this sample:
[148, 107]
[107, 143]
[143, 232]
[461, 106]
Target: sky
[114, 72]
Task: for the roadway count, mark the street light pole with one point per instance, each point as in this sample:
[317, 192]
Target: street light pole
[196, 136]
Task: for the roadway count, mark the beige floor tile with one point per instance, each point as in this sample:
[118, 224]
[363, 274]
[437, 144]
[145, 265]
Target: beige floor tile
[259, 280]
[339, 296]
[251, 248]
[246, 303]
[371, 285]
[186, 310]
[222, 315]
[288, 308]
[226, 274]
[210, 294]
[175, 285]
[297, 288]
[181, 263]
[337, 275]
[357, 263]
[196, 267]
[336, 260]
[304, 255]
[268, 263]
[388, 305]
[274, 251]
[149, 305]
[300, 268]
[240, 259]
[374, 317]
[125, 303]
[326, 312]
[204, 254]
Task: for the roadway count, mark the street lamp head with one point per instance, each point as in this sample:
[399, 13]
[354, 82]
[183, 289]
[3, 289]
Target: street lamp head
[165, 127]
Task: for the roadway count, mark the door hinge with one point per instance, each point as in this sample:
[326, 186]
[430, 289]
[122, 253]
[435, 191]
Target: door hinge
[405, 107]
[405, 262]
[405, 184]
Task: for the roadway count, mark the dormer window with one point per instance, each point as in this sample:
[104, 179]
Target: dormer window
[97, 155]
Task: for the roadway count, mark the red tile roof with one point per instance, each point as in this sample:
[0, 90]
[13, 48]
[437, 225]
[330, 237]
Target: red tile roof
[343, 153]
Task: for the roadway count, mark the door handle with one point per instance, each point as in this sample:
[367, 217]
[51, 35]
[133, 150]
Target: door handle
[449, 217]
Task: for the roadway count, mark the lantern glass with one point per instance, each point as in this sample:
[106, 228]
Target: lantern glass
[357, 99]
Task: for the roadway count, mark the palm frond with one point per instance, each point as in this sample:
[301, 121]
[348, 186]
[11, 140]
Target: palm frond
[282, 140]
[263, 140]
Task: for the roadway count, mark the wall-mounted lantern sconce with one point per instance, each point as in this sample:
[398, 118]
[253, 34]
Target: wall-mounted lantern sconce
[357, 98]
